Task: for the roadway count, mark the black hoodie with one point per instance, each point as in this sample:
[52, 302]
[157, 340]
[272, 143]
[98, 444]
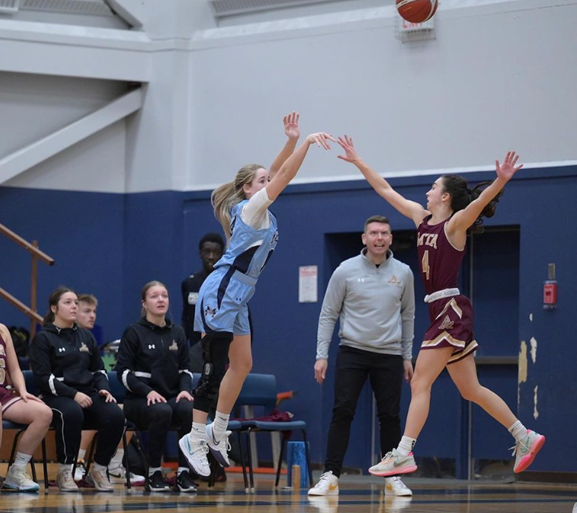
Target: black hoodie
[67, 360]
[157, 358]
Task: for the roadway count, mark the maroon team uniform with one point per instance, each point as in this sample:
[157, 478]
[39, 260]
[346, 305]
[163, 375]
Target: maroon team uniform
[8, 396]
[451, 317]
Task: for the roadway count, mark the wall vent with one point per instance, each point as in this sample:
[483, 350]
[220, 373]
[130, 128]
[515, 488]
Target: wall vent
[221, 8]
[85, 7]
[9, 6]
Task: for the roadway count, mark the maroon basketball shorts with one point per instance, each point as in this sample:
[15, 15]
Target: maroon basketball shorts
[451, 326]
[8, 397]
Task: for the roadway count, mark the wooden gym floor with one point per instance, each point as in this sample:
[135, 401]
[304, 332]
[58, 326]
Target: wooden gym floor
[357, 494]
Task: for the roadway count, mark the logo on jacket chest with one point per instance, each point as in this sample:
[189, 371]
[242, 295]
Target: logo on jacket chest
[173, 346]
[61, 349]
[151, 346]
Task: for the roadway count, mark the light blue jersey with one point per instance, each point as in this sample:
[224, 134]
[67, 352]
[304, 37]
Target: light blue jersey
[224, 295]
[249, 249]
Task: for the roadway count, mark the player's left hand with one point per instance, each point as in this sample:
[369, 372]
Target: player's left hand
[108, 397]
[509, 167]
[184, 395]
[408, 370]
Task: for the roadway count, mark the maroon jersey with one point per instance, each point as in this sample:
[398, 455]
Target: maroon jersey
[3, 363]
[7, 396]
[438, 259]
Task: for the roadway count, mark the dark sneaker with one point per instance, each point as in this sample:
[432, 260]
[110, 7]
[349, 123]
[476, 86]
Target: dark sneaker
[156, 483]
[184, 483]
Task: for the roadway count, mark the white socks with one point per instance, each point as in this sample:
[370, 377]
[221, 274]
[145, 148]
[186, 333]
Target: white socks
[406, 445]
[116, 460]
[518, 430]
[152, 470]
[81, 454]
[198, 431]
[220, 424]
[22, 459]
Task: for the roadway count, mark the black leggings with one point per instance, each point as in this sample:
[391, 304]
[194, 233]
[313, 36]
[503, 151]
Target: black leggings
[158, 419]
[69, 418]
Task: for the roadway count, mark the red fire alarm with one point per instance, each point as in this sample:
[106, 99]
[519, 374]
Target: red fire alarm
[550, 290]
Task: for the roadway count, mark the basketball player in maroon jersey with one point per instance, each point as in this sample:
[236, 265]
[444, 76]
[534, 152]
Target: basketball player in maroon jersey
[452, 211]
[20, 406]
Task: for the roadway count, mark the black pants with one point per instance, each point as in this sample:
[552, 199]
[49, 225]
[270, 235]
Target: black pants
[69, 419]
[386, 377]
[158, 419]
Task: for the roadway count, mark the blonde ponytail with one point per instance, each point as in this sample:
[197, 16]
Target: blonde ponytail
[225, 197]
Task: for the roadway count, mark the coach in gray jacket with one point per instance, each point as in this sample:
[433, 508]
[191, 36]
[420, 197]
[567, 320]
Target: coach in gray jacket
[373, 296]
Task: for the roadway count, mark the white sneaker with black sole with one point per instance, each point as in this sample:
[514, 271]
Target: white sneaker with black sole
[218, 448]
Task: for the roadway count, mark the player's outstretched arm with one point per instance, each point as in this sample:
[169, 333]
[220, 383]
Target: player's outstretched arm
[408, 208]
[290, 168]
[292, 131]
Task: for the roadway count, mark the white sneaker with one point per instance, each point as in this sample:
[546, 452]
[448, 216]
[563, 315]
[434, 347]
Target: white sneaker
[394, 464]
[195, 452]
[100, 481]
[18, 479]
[117, 475]
[219, 448]
[65, 482]
[394, 486]
[328, 485]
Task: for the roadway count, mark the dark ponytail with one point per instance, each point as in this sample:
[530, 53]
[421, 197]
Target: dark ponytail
[53, 301]
[461, 196]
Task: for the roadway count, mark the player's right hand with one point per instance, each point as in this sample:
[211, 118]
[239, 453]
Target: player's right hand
[321, 370]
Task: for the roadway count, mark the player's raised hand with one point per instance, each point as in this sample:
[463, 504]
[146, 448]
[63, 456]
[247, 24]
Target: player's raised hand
[346, 144]
[509, 166]
[321, 139]
[291, 125]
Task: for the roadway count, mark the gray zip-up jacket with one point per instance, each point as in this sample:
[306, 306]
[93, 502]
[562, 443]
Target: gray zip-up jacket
[376, 306]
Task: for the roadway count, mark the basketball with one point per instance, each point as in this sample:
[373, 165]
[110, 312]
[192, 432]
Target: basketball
[417, 11]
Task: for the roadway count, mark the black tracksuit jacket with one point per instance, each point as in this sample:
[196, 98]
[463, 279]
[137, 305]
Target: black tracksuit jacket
[157, 358]
[67, 360]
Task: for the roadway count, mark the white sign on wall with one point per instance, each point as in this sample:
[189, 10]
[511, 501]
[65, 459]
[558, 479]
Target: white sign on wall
[308, 277]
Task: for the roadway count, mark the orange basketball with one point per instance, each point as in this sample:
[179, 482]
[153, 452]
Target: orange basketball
[417, 11]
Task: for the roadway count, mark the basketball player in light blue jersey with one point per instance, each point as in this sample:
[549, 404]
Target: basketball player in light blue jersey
[241, 206]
